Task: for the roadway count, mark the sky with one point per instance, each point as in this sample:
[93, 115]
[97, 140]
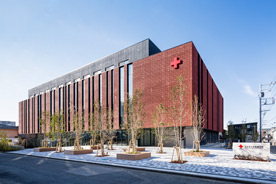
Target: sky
[43, 39]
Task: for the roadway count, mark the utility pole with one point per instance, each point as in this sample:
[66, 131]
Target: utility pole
[260, 100]
[266, 102]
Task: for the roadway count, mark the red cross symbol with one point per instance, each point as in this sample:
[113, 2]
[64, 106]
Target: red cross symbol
[176, 61]
[240, 146]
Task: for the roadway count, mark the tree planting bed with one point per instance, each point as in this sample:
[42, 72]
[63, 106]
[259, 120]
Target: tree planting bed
[44, 149]
[78, 152]
[126, 156]
[197, 154]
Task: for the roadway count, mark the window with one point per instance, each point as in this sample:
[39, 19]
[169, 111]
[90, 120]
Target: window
[68, 101]
[83, 93]
[109, 68]
[100, 89]
[124, 62]
[130, 80]
[121, 96]
[111, 90]
[107, 86]
[97, 72]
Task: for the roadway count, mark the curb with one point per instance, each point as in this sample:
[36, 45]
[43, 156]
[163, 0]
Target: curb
[192, 174]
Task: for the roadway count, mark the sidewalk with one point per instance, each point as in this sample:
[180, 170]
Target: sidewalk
[219, 164]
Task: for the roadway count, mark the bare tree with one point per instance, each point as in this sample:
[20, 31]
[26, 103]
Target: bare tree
[158, 120]
[109, 133]
[243, 133]
[57, 129]
[93, 129]
[198, 115]
[178, 113]
[78, 130]
[134, 118]
[100, 116]
[45, 117]
[255, 134]
[231, 135]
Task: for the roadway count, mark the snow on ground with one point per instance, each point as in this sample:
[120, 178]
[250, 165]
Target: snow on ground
[219, 162]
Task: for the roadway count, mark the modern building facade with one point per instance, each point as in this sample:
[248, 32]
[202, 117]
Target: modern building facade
[111, 78]
[249, 128]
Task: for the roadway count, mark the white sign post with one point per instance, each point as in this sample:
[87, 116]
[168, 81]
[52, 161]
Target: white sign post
[251, 151]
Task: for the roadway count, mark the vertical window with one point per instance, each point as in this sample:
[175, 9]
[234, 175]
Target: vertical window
[111, 90]
[83, 93]
[100, 89]
[93, 93]
[130, 80]
[74, 96]
[54, 101]
[82, 104]
[38, 112]
[121, 96]
[68, 107]
[51, 103]
[59, 98]
[89, 95]
[107, 102]
[77, 95]
[64, 106]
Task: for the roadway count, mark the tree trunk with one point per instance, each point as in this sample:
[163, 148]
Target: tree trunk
[133, 142]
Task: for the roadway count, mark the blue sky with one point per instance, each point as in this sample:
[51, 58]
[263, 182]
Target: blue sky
[41, 40]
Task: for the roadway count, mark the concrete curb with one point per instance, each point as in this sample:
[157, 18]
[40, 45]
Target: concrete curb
[193, 174]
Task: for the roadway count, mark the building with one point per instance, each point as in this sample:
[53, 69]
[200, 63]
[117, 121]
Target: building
[11, 131]
[111, 78]
[250, 129]
[9, 123]
[265, 133]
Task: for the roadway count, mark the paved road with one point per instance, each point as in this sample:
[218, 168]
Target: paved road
[15, 169]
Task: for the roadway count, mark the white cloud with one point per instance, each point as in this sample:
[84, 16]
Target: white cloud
[248, 90]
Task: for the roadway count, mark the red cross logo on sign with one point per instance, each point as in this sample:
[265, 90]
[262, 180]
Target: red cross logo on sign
[240, 146]
[176, 61]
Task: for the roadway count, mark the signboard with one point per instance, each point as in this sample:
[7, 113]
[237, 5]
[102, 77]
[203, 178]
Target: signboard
[251, 151]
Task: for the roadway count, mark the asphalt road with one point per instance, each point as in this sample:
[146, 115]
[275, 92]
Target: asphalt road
[15, 169]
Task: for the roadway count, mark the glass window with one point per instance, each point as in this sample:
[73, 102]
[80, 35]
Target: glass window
[121, 83]
[130, 80]
[100, 89]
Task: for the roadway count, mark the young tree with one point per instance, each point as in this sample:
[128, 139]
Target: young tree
[134, 117]
[57, 129]
[109, 133]
[4, 144]
[198, 114]
[255, 134]
[45, 117]
[178, 113]
[243, 133]
[100, 117]
[78, 130]
[158, 120]
[231, 135]
[93, 129]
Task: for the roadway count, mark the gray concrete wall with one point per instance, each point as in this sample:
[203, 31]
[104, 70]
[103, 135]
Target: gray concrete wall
[132, 53]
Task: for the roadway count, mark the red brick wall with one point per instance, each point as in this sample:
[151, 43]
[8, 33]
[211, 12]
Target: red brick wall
[155, 76]
[215, 108]
[19, 118]
[205, 97]
[36, 115]
[48, 110]
[71, 106]
[31, 115]
[116, 98]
